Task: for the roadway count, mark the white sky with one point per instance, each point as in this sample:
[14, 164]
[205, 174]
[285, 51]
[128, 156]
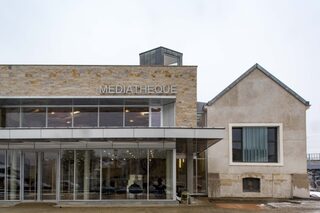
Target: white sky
[224, 38]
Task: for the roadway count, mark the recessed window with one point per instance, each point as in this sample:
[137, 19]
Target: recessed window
[137, 116]
[111, 116]
[59, 117]
[33, 117]
[85, 116]
[255, 144]
[251, 184]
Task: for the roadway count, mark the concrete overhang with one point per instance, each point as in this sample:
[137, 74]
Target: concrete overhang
[111, 133]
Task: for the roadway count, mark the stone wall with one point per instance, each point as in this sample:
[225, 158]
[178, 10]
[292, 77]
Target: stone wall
[73, 80]
[258, 99]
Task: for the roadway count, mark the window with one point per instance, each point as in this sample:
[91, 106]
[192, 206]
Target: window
[137, 116]
[251, 184]
[33, 117]
[59, 116]
[155, 116]
[255, 144]
[85, 116]
[111, 116]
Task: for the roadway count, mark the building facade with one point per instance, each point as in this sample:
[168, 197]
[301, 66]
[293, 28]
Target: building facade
[75, 133]
[263, 152]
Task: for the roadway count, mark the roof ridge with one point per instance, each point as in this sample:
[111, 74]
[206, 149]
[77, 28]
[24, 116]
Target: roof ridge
[268, 74]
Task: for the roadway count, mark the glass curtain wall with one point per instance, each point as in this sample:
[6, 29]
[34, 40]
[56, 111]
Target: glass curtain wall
[67, 184]
[87, 175]
[30, 169]
[2, 174]
[13, 175]
[118, 174]
[48, 175]
[81, 116]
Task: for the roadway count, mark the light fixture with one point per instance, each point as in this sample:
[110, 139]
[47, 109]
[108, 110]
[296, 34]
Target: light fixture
[68, 122]
[52, 113]
[180, 164]
[76, 112]
[131, 121]
[127, 110]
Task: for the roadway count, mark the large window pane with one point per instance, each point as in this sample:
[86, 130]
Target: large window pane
[10, 117]
[88, 174]
[156, 116]
[13, 175]
[160, 174]
[124, 174]
[137, 116]
[111, 116]
[30, 175]
[255, 144]
[237, 144]
[49, 175]
[33, 117]
[85, 116]
[59, 117]
[67, 175]
[2, 173]
[272, 144]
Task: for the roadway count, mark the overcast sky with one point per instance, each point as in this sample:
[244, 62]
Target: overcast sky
[224, 38]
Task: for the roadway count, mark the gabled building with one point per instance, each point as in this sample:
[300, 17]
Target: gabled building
[263, 151]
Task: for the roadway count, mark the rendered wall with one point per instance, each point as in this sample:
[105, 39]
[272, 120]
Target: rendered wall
[258, 99]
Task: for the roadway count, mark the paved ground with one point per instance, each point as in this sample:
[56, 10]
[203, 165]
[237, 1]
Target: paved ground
[208, 207]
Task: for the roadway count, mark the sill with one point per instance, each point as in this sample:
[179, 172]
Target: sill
[255, 164]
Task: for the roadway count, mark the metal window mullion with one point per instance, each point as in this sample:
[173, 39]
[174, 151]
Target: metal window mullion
[5, 173]
[74, 174]
[72, 116]
[124, 114]
[58, 176]
[21, 176]
[46, 117]
[100, 174]
[150, 116]
[39, 182]
[98, 114]
[20, 116]
[148, 174]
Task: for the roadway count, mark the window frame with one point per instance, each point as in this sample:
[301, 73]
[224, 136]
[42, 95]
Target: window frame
[279, 150]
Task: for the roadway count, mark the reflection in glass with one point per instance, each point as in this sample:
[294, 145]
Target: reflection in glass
[2, 173]
[49, 168]
[157, 174]
[156, 116]
[137, 116]
[59, 117]
[85, 116]
[30, 175]
[13, 174]
[111, 116]
[124, 174]
[88, 174]
[67, 175]
[10, 117]
[33, 117]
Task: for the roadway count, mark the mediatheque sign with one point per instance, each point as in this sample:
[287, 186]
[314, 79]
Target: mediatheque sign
[138, 89]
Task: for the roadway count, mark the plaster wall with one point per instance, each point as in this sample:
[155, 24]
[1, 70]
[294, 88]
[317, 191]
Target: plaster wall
[258, 99]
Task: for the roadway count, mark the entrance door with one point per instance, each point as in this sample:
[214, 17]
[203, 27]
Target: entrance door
[48, 175]
[40, 175]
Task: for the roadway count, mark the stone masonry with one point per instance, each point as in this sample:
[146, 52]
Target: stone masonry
[85, 80]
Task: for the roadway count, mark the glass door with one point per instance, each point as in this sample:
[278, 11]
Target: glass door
[48, 180]
[40, 175]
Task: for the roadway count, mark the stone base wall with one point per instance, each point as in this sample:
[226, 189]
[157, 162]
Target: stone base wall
[271, 185]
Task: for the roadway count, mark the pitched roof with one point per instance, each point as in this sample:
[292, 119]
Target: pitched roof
[244, 75]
